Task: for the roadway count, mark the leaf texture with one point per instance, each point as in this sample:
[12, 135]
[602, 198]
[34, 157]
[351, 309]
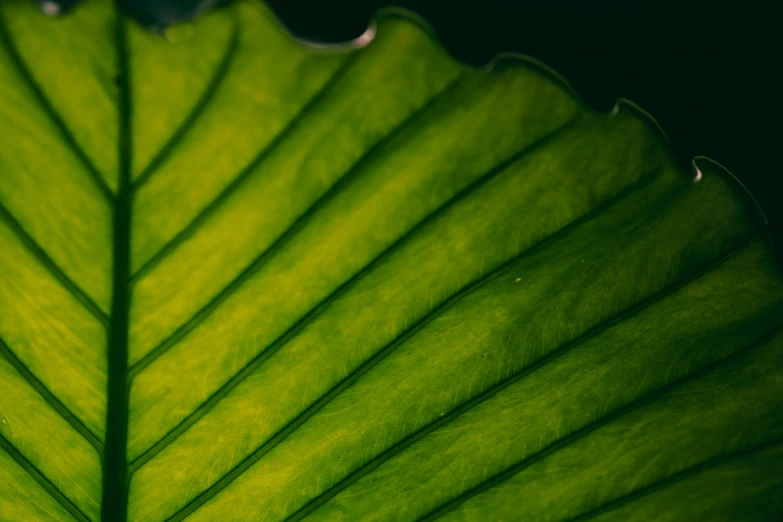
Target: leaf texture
[242, 278]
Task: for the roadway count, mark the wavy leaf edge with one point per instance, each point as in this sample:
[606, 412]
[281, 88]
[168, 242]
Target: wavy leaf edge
[528, 62]
[515, 58]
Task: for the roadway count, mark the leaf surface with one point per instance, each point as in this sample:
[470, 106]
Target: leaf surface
[242, 278]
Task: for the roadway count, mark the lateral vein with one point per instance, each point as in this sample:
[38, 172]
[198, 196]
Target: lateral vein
[204, 101]
[356, 374]
[291, 332]
[115, 463]
[241, 177]
[16, 57]
[49, 397]
[677, 477]
[277, 245]
[44, 482]
[58, 273]
[591, 427]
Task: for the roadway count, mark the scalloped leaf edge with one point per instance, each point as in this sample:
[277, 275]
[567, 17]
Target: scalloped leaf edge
[529, 62]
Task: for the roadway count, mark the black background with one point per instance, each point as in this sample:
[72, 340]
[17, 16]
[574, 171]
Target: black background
[710, 73]
[711, 76]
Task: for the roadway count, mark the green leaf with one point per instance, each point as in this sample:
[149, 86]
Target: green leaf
[243, 278]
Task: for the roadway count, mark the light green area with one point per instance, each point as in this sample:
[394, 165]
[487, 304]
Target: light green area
[756, 483]
[183, 69]
[692, 421]
[38, 165]
[247, 111]
[363, 106]
[51, 332]
[73, 62]
[370, 284]
[34, 429]
[23, 499]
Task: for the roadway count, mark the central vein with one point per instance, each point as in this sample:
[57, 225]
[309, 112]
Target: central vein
[115, 463]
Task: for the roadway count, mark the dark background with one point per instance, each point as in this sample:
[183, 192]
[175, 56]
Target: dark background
[710, 73]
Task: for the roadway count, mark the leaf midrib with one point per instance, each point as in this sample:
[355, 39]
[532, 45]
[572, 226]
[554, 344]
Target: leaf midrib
[115, 464]
[114, 506]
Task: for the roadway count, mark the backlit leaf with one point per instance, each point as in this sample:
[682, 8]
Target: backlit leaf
[243, 278]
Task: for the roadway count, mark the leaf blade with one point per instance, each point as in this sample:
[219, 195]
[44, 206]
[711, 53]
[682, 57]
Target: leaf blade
[384, 276]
